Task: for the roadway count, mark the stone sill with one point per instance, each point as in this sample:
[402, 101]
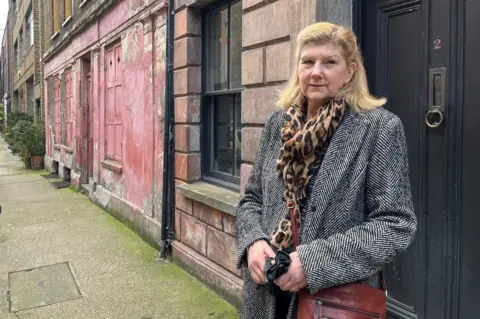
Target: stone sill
[66, 21]
[67, 149]
[57, 147]
[217, 197]
[113, 166]
[55, 35]
[83, 3]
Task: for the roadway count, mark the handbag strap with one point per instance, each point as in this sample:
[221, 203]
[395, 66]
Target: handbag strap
[296, 239]
[294, 225]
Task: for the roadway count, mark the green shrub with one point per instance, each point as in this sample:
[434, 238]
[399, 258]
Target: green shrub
[26, 139]
[34, 140]
[14, 117]
[15, 135]
[2, 113]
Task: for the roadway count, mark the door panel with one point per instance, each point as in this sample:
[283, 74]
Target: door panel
[90, 125]
[402, 42]
[470, 220]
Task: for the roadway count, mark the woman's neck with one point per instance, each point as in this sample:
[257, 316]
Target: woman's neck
[312, 109]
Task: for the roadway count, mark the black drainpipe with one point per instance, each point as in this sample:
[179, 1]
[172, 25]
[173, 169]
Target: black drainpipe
[168, 191]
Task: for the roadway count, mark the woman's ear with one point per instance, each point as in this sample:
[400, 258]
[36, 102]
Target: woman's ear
[351, 71]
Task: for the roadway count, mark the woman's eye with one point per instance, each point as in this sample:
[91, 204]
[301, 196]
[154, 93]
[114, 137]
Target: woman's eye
[331, 62]
[307, 62]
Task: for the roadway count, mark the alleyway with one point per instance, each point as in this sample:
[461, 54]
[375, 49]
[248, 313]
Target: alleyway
[115, 274]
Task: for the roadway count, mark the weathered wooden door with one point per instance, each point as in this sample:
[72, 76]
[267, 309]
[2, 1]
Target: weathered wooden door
[90, 125]
[416, 52]
[58, 123]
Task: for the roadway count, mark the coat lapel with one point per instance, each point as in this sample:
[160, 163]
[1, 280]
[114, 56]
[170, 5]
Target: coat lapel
[340, 154]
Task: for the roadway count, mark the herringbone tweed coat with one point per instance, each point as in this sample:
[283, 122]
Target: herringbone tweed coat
[359, 217]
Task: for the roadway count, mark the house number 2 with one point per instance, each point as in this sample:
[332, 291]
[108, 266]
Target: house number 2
[437, 44]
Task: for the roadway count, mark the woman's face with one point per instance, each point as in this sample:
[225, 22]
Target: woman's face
[322, 72]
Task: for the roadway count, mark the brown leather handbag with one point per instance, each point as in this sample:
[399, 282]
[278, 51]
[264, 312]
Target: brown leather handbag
[348, 301]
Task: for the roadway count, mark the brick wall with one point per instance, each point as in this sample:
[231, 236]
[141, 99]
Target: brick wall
[38, 35]
[267, 62]
[207, 231]
[30, 68]
[187, 89]
[11, 62]
[47, 25]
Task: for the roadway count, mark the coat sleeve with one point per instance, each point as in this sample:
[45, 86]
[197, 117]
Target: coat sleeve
[249, 211]
[364, 250]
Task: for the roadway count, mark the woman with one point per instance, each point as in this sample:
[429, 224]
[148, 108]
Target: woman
[341, 159]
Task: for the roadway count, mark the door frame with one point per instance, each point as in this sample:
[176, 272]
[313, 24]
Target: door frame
[86, 105]
[454, 115]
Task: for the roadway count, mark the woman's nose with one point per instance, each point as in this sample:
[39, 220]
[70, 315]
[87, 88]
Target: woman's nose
[317, 70]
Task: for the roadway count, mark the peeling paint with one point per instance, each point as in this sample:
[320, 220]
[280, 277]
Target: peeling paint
[129, 47]
[135, 6]
[113, 182]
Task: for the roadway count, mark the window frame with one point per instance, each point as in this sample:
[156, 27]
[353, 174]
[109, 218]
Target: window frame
[208, 135]
[67, 14]
[31, 95]
[15, 54]
[56, 17]
[21, 46]
[29, 27]
[110, 148]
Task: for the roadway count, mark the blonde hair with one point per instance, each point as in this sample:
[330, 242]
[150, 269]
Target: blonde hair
[356, 91]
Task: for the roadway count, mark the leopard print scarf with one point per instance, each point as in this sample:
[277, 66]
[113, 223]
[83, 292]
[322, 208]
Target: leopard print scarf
[302, 152]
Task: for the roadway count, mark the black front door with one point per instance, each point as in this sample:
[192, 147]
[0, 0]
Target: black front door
[424, 57]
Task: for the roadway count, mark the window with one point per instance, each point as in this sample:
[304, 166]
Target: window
[15, 53]
[68, 107]
[68, 9]
[222, 91]
[20, 45]
[114, 123]
[56, 21]
[38, 108]
[29, 31]
[30, 97]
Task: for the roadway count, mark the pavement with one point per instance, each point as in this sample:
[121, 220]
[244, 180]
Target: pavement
[63, 257]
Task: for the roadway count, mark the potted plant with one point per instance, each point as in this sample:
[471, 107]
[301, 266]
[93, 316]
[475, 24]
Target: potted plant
[34, 146]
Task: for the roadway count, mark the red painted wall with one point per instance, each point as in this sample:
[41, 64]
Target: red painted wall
[139, 106]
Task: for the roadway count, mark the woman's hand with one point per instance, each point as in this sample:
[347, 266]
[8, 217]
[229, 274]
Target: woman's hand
[295, 278]
[257, 254]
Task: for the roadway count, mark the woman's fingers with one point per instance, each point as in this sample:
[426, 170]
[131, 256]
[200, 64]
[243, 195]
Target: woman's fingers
[257, 273]
[268, 251]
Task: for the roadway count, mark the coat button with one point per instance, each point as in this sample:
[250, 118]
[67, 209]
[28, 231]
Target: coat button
[314, 208]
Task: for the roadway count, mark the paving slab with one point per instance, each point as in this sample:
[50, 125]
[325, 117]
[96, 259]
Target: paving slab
[112, 273]
[42, 286]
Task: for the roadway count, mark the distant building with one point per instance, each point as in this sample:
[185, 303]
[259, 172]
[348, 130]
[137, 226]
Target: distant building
[26, 38]
[5, 77]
